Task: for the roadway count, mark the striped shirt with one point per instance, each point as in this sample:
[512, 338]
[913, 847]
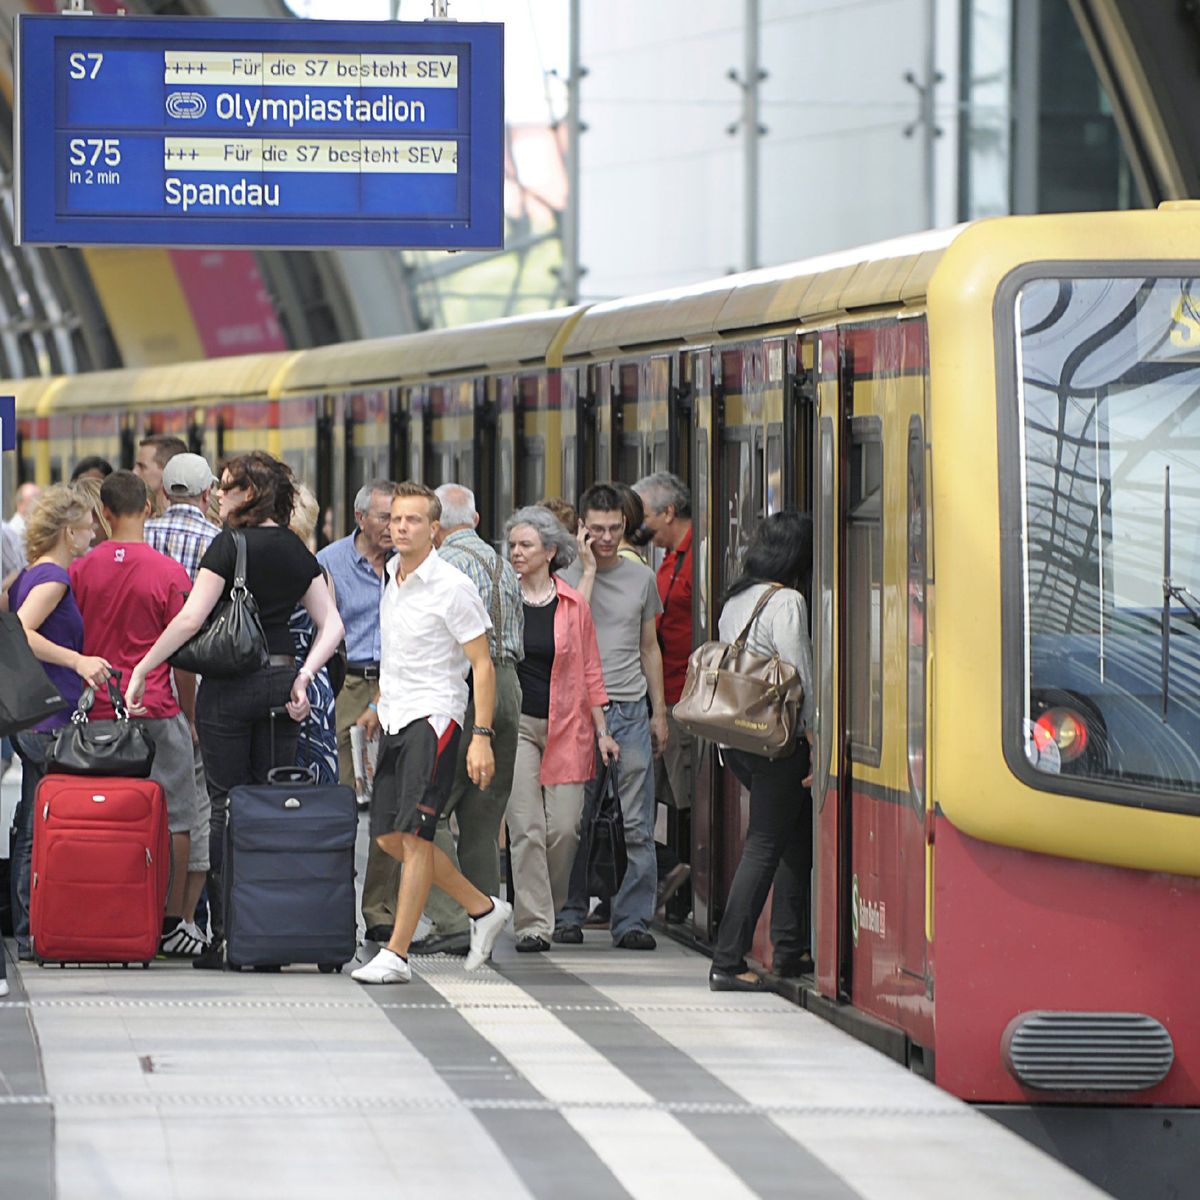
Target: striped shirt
[467, 551]
[183, 533]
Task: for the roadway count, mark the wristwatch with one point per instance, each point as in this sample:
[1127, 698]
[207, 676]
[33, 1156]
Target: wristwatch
[603, 732]
[482, 731]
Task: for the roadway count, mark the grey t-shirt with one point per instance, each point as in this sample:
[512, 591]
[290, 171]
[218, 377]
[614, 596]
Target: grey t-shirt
[623, 596]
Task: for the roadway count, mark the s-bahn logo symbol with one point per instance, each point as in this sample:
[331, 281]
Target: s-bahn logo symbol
[866, 916]
[186, 106]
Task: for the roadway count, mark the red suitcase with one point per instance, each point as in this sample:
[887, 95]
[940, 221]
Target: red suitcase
[101, 868]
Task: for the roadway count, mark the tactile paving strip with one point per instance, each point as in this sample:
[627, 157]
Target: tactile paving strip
[157, 1100]
[415, 1006]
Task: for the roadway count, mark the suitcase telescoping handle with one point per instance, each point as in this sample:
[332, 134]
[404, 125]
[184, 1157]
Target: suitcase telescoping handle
[293, 773]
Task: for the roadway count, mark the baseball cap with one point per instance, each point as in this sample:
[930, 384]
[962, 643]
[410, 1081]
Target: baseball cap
[187, 475]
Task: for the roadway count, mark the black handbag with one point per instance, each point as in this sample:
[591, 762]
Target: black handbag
[121, 747]
[232, 641]
[607, 859]
[26, 694]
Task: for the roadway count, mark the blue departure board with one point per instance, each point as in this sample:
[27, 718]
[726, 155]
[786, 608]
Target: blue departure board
[183, 131]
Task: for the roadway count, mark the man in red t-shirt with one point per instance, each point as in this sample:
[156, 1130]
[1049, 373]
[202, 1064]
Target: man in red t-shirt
[128, 593]
[668, 517]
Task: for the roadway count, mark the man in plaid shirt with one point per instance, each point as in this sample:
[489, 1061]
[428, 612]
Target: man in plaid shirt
[183, 533]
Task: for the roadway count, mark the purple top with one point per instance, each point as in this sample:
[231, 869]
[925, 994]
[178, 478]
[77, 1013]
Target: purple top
[63, 627]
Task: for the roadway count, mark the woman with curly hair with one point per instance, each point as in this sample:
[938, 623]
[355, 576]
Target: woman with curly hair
[233, 717]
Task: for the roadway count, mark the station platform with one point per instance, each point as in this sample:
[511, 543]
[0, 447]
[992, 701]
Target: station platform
[587, 1072]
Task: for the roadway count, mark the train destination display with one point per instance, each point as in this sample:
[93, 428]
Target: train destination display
[181, 131]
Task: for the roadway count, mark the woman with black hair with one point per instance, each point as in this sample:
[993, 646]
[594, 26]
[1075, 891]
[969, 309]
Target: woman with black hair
[779, 558]
[257, 494]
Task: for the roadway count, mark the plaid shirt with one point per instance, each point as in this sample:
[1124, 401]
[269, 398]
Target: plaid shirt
[183, 533]
[463, 549]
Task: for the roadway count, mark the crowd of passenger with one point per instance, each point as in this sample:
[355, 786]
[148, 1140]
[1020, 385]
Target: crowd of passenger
[500, 689]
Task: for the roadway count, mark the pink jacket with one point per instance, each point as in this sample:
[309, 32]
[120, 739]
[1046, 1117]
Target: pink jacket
[576, 685]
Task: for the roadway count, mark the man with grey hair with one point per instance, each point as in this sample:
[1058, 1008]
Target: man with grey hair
[355, 564]
[668, 517]
[478, 810]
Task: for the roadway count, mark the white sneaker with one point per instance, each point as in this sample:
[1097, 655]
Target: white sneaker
[196, 931]
[423, 930]
[3, 986]
[484, 932]
[386, 967]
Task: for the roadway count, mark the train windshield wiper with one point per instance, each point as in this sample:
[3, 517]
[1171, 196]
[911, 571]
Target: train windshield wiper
[1172, 592]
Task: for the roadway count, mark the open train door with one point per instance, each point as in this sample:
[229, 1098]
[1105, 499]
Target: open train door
[869, 650]
[829, 768]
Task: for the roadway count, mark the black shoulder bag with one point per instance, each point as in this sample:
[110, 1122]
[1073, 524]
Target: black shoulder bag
[607, 859]
[119, 747]
[26, 694]
[232, 642]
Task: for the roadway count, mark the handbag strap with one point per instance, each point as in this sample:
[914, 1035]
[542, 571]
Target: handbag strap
[772, 588]
[88, 697]
[239, 567]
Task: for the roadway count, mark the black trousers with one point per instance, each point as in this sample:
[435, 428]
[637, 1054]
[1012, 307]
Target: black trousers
[234, 724]
[778, 843]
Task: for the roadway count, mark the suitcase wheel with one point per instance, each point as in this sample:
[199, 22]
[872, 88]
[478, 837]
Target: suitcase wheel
[329, 968]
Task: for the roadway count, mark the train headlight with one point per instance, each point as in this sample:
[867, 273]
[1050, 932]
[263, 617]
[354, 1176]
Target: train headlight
[1064, 727]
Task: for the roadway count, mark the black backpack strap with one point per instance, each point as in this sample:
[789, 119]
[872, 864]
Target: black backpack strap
[772, 588]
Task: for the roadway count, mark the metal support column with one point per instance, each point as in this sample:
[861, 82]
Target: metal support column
[570, 217]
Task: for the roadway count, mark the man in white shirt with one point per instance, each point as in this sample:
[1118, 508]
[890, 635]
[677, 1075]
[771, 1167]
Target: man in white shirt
[433, 629]
[23, 502]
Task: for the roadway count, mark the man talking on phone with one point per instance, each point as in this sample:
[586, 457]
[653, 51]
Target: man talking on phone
[624, 599]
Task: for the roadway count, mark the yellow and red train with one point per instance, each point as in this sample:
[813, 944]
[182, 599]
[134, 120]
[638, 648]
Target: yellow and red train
[997, 430]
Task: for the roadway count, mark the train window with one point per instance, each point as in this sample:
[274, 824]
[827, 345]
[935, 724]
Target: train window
[775, 482]
[916, 614]
[864, 582]
[741, 513]
[1105, 490]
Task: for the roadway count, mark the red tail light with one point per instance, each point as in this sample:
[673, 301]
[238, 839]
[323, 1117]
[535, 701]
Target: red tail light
[1064, 727]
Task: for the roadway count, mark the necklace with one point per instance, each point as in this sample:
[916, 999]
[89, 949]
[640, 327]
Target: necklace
[540, 601]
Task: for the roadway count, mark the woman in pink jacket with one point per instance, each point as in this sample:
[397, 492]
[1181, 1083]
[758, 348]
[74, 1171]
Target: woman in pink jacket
[562, 721]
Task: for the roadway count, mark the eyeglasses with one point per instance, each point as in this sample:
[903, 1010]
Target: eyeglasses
[603, 530]
[226, 486]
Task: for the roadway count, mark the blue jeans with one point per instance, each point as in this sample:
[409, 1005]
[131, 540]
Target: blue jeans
[633, 905]
[32, 748]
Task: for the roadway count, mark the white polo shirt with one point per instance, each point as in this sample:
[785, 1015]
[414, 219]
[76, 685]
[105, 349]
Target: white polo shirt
[424, 623]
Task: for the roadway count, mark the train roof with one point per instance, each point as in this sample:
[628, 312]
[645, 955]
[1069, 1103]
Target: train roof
[887, 273]
[490, 345]
[177, 383]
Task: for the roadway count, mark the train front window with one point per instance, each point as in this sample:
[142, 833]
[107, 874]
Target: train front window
[1108, 394]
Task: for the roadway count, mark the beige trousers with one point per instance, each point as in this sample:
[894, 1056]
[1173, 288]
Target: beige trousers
[543, 834]
[382, 880]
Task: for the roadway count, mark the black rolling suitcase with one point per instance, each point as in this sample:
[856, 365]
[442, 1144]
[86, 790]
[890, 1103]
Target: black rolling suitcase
[288, 873]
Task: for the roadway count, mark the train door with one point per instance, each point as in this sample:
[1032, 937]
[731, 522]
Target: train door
[530, 422]
[569, 424]
[702, 479]
[490, 502]
[871, 878]
[739, 502]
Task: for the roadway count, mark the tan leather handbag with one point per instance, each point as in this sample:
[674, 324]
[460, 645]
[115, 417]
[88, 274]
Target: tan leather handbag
[740, 699]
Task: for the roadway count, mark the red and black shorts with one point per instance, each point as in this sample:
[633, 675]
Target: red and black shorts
[413, 777]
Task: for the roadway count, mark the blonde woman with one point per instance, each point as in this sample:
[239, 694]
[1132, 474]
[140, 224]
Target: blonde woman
[57, 532]
[87, 489]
